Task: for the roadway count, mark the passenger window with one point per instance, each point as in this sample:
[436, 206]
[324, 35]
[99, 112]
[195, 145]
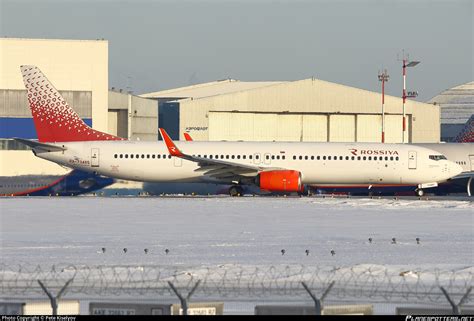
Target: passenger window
[238, 156]
[244, 156]
[153, 156]
[306, 157]
[312, 157]
[273, 156]
[396, 158]
[301, 157]
[126, 155]
[347, 157]
[115, 155]
[352, 157]
[329, 157]
[169, 156]
[386, 158]
[143, 155]
[324, 157]
[257, 156]
[340, 157]
[364, 158]
[267, 157]
[131, 155]
[158, 156]
[358, 157]
[226, 156]
[277, 156]
[318, 158]
[121, 156]
[294, 157]
[370, 157]
[391, 158]
[232, 156]
[283, 157]
[250, 156]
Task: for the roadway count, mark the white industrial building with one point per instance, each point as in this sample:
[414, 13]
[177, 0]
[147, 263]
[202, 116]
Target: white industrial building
[79, 70]
[304, 110]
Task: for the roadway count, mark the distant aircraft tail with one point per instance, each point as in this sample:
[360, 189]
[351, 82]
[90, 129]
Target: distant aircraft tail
[467, 133]
[54, 119]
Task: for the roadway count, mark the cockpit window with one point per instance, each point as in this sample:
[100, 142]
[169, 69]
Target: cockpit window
[437, 157]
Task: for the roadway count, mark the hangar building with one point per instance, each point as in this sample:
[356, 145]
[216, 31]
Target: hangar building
[303, 110]
[457, 106]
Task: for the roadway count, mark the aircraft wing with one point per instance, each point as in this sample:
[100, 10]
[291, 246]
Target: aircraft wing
[215, 168]
[40, 147]
[463, 175]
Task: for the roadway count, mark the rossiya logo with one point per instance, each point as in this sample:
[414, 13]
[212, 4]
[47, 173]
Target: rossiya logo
[357, 152]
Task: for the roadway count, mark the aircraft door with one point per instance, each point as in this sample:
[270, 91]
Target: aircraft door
[411, 160]
[471, 159]
[94, 157]
[256, 158]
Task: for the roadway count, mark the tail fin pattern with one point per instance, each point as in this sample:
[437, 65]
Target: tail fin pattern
[54, 119]
[467, 133]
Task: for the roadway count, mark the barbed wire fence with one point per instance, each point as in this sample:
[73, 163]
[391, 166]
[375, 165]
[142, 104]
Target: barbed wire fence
[363, 282]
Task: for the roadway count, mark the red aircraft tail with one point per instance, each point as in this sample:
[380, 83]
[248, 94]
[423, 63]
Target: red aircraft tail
[467, 133]
[54, 119]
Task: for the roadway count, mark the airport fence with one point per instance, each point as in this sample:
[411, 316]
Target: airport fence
[293, 283]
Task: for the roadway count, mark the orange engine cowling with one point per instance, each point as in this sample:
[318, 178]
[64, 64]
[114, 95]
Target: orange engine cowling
[280, 181]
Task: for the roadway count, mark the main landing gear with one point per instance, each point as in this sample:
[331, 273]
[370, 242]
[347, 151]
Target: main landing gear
[236, 190]
[420, 192]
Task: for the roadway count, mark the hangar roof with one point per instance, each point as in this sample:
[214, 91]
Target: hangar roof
[457, 103]
[208, 89]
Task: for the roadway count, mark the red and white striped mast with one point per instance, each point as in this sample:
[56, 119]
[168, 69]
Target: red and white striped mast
[383, 77]
[411, 94]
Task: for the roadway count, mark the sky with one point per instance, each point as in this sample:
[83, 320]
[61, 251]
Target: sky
[155, 45]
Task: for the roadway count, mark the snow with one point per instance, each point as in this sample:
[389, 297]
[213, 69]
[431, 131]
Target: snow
[234, 232]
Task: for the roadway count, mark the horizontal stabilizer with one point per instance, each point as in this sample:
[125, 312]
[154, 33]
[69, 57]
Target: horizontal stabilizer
[40, 146]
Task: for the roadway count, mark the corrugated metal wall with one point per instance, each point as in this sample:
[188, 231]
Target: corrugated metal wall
[14, 103]
[234, 126]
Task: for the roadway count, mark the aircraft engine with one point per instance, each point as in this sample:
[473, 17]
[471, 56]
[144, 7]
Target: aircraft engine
[280, 181]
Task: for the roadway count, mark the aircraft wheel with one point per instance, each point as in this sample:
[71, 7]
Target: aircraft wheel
[420, 192]
[235, 190]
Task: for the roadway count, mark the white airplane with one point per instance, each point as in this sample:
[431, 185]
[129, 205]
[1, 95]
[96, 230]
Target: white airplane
[274, 166]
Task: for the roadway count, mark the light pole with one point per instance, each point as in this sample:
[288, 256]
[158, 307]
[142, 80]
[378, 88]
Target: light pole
[411, 94]
[383, 77]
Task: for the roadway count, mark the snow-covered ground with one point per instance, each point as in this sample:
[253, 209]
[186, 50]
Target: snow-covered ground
[239, 231]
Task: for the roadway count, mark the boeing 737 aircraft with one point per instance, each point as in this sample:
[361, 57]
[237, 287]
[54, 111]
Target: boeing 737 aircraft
[274, 166]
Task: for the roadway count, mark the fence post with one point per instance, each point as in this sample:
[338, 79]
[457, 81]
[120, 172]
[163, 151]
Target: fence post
[456, 307]
[318, 302]
[54, 299]
[184, 301]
